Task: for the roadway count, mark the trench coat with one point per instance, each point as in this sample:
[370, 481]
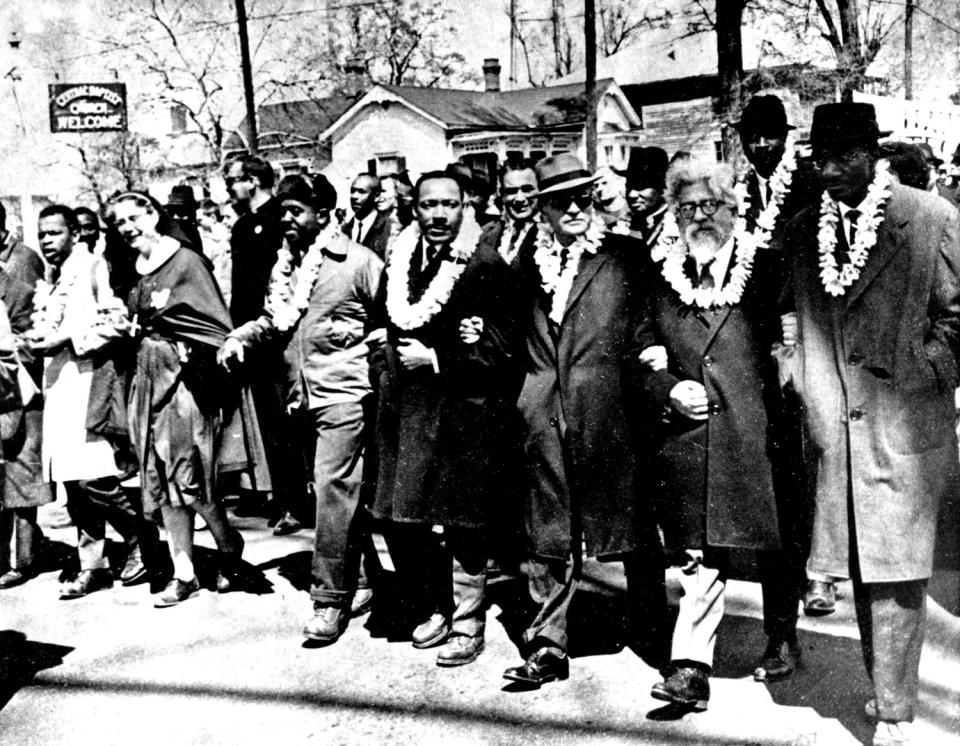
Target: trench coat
[445, 436]
[716, 480]
[579, 380]
[876, 370]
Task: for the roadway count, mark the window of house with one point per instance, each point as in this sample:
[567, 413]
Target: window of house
[386, 163]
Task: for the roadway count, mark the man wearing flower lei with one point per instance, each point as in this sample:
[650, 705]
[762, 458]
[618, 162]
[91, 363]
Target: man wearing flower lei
[872, 348]
[516, 229]
[447, 377]
[319, 305]
[706, 339]
[582, 308]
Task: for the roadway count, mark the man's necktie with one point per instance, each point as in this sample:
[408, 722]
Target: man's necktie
[359, 231]
[853, 216]
[706, 276]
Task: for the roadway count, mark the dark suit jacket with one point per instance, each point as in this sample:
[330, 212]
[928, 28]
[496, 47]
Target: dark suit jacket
[254, 243]
[804, 191]
[377, 237]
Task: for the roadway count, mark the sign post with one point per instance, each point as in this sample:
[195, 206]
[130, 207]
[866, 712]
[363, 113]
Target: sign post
[88, 107]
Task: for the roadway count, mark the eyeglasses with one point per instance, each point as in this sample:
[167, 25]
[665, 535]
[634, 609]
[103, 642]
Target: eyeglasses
[562, 202]
[707, 206]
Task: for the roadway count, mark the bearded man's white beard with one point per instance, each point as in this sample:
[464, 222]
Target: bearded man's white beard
[703, 245]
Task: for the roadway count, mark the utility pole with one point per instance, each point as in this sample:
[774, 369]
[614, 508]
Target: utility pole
[556, 21]
[590, 53]
[513, 44]
[908, 49]
[247, 77]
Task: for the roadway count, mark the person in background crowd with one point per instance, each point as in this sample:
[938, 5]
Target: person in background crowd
[215, 237]
[932, 163]
[872, 334]
[907, 163]
[609, 200]
[90, 230]
[254, 242]
[516, 229]
[713, 314]
[321, 296]
[404, 198]
[581, 313]
[176, 392]
[645, 182]
[182, 207]
[445, 378]
[367, 226]
[18, 261]
[68, 329]
[21, 428]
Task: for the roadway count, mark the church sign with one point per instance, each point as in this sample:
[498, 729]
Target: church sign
[88, 107]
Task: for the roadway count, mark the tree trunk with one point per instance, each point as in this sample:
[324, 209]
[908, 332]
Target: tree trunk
[730, 73]
[590, 48]
[908, 50]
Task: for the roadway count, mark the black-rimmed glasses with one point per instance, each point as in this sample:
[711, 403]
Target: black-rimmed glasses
[707, 206]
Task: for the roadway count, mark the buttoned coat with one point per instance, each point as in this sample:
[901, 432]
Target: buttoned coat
[444, 436]
[578, 405]
[716, 475]
[876, 370]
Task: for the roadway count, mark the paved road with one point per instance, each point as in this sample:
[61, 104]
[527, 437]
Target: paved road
[110, 669]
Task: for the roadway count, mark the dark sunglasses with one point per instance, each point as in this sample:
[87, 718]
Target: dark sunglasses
[562, 201]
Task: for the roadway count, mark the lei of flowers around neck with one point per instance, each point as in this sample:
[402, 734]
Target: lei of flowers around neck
[557, 279]
[671, 249]
[779, 182]
[509, 226]
[287, 304]
[50, 303]
[406, 315]
[836, 280]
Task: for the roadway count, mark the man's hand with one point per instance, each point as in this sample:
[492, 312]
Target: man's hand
[791, 329]
[470, 330]
[45, 345]
[414, 354]
[654, 358]
[689, 398]
[231, 352]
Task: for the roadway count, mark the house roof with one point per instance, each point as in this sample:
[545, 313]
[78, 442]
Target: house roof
[305, 119]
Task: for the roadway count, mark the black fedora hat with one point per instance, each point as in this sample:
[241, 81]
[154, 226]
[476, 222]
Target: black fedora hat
[763, 114]
[647, 167]
[843, 125]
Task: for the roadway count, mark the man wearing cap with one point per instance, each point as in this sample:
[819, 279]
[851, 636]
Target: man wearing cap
[446, 379]
[645, 183]
[582, 310]
[319, 304]
[368, 226]
[872, 351]
[515, 230]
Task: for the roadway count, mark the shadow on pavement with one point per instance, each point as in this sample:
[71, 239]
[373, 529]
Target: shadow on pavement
[21, 659]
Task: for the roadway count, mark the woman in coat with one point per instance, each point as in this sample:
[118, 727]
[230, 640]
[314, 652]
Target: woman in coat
[176, 394]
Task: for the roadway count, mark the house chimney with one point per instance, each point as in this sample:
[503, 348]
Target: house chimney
[355, 69]
[491, 74]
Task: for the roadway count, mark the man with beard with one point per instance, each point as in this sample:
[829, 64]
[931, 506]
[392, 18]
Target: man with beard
[446, 385]
[319, 304]
[713, 300]
[582, 308]
[368, 226]
[645, 176]
[873, 348]
[517, 228]
[254, 241]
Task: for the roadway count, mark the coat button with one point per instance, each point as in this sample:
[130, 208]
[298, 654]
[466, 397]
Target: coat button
[554, 422]
[855, 358]
[707, 360]
[856, 414]
[713, 408]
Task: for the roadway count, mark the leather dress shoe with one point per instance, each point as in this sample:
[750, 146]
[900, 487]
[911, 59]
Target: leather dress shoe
[16, 576]
[86, 583]
[362, 601]
[431, 632]
[177, 591]
[327, 623]
[134, 571]
[286, 525]
[687, 686]
[459, 650]
[820, 598]
[780, 659]
[542, 667]
[893, 734]
[228, 575]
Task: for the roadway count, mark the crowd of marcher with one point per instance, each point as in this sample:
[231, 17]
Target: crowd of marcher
[655, 367]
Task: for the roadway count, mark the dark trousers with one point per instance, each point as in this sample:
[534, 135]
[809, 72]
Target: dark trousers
[342, 533]
[782, 580]
[284, 459]
[92, 503]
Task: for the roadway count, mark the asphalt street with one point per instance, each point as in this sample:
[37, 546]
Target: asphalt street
[233, 669]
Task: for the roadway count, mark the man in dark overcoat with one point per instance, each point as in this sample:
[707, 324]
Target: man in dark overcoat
[446, 383]
[874, 280]
[713, 300]
[368, 226]
[582, 308]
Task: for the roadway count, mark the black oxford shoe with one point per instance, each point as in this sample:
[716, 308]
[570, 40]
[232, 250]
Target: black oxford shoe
[687, 686]
[780, 659]
[543, 666]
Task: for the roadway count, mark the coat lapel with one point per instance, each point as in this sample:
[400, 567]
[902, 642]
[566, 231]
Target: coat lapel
[590, 264]
[890, 239]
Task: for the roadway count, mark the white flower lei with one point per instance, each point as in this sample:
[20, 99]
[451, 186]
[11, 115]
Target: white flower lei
[504, 250]
[780, 183]
[547, 256]
[406, 315]
[286, 304]
[836, 281]
[671, 249]
[50, 303]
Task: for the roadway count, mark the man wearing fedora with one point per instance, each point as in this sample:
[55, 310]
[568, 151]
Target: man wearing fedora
[582, 310]
[645, 182]
[871, 347]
